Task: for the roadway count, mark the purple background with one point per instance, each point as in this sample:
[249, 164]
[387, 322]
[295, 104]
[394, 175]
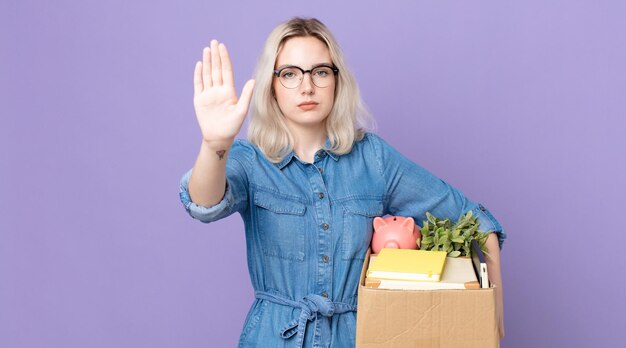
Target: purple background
[521, 106]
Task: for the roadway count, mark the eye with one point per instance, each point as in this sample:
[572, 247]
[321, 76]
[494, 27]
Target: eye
[322, 72]
[288, 74]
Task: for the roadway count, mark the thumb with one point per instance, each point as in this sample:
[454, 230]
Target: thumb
[246, 96]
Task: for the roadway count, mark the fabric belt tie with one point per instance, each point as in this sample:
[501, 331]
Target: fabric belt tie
[310, 305]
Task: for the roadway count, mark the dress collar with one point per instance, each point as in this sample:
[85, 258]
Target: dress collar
[322, 152]
[285, 160]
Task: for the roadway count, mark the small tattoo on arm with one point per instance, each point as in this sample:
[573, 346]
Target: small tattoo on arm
[221, 153]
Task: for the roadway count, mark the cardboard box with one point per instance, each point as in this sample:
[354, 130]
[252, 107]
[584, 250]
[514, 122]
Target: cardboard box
[425, 318]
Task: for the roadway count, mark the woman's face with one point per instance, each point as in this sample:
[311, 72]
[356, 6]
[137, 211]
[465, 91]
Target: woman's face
[306, 105]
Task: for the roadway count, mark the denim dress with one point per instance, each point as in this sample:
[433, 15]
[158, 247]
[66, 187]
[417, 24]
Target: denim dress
[308, 227]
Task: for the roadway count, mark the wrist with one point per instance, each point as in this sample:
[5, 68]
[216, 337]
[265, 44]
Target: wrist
[211, 149]
[217, 145]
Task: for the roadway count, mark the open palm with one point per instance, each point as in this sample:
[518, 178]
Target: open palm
[219, 112]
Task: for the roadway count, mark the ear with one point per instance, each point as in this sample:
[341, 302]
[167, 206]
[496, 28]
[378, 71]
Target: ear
[378, 223]
[408, 224]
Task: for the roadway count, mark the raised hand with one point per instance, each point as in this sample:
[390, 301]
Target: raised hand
[219, 112]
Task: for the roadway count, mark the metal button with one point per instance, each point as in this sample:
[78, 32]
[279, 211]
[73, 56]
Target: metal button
[325, 226]
[481, 207]
[320, 153]
[321, 170]
[325, 294]
[325, 258]
[321, 195]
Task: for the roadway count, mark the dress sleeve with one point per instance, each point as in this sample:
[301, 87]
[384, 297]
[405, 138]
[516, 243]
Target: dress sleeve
[411, 190]
[235, 196]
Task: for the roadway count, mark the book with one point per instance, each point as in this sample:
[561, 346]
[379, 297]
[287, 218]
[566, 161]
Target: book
[480, 264]
[408, 264]
[458, 273]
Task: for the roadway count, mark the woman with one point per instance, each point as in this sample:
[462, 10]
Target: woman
[307, 184]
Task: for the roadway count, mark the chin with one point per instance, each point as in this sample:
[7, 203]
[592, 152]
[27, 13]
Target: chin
[313, 122]
[308, 118]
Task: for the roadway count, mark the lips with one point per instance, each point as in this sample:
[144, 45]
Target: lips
[307, 106]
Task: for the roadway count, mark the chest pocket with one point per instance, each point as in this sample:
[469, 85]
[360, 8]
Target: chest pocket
[281, 226]
[358, 216]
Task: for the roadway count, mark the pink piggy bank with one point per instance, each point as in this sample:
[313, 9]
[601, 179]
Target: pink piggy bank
[395, 232]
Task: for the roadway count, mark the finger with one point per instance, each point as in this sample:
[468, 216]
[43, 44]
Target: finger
[197, 79]
[227, 68]
[206, 68]
[246, 96]
[216, 65]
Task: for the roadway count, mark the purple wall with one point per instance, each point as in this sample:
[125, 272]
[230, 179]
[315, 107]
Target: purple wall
[521, 106]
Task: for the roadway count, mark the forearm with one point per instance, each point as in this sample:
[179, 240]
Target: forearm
[493, 260]
[495, 277]
[208, 178]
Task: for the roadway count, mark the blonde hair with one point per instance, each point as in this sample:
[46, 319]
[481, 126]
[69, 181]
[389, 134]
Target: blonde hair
[348, 119]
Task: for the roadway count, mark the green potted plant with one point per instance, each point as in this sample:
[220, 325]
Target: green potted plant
[455, 239]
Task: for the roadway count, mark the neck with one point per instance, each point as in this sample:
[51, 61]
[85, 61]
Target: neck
[308, 141]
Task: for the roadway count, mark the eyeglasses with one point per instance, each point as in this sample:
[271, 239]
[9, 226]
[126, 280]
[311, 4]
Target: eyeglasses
[321, 75]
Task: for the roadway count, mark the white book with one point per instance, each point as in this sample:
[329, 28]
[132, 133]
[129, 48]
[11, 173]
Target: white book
[480, 264]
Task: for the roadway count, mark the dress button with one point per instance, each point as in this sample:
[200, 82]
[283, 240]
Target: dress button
[321, 195]
[325, 294]
[320, 153]
[321, 170]
[325, 227]
[325, 258]
[481, 207]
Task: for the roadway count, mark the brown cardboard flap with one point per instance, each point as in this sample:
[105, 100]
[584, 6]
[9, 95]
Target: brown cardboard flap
[472, 285]
[372, 283]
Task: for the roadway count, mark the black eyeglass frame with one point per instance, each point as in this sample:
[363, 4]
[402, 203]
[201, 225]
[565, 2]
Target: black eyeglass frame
[334, 69]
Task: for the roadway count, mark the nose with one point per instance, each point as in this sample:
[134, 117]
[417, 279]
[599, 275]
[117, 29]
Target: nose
[306, 86]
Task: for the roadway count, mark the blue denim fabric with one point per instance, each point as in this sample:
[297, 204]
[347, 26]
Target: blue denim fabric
[308, 227]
